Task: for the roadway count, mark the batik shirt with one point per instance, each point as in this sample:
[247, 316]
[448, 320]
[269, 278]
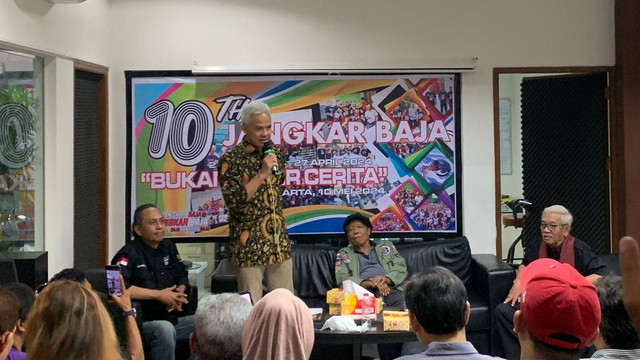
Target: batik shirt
[257, 232]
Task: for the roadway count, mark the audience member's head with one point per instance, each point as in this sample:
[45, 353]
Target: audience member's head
[25, 297]
[9, 310]
[279, 327]
[217, 330]
[437, 303]
[616, 329]
[560, 311]
[71, 274]
[68, 321]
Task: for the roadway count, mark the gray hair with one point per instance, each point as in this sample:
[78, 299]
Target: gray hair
[254, 107]
[567, 218]
[218, 326]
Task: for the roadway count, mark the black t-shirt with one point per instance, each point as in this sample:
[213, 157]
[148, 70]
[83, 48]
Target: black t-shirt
[156, 269]
[586, 261]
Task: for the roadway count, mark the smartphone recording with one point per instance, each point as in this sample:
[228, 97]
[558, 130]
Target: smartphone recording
[113, 280]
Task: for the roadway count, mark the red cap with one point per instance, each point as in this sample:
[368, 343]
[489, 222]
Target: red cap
[559, 305]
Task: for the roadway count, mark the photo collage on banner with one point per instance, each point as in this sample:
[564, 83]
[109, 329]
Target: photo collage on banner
[382, 145]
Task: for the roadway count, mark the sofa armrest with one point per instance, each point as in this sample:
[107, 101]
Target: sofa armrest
[492, 279]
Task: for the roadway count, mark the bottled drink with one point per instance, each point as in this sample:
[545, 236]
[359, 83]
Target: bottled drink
[348, 305]
[367, 304]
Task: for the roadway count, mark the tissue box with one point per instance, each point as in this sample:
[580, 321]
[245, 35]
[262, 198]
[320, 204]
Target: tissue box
[334, 309]
[335, 296]
[396, 320]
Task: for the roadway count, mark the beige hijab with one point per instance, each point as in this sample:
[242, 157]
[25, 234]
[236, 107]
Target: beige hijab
[279, 327]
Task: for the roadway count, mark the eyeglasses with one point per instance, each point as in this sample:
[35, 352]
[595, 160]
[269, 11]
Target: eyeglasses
[551, 227]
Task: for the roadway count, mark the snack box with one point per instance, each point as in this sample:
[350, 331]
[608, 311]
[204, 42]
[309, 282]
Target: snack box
[335, 296]
[378, 305]
[335, 309]
[396, 320]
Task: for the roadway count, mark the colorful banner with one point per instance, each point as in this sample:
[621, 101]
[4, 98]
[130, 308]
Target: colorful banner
[383, 145]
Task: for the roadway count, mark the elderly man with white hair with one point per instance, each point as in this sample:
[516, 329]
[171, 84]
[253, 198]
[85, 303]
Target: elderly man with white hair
[250, 177]
[556, 243]
[218, 326]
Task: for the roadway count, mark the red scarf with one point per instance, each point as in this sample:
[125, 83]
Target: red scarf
[567, 251]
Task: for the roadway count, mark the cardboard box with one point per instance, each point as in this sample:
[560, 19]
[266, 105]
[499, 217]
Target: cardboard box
[396, 321]
[335, 296]
[378, 305]
[197, 274]
[334, 309]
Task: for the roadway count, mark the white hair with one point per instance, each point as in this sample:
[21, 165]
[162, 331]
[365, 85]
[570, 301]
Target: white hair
[254, 107]
[218, 326]
[567, 218]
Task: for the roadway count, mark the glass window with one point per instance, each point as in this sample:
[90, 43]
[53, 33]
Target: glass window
[21, 152]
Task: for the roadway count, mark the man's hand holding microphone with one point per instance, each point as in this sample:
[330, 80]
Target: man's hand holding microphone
[270, 162]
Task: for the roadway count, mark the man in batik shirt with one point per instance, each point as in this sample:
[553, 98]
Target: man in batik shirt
[250, 178]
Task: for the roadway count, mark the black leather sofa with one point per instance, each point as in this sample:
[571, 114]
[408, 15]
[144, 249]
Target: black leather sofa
[487, 278]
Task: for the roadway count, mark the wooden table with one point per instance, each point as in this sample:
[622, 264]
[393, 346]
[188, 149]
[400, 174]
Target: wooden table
[375, 335]
[507, 220]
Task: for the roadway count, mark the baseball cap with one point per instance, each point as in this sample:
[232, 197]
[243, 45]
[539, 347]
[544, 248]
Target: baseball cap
[353, 217]
[560, 306]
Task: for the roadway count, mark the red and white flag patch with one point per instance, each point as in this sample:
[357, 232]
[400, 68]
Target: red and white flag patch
[123, 261]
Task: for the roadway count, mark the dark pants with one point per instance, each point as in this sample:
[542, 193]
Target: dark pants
[159, 337]
[506, 343]
[393, 301]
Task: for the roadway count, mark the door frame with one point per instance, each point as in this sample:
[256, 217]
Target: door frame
[614, 160]
[103, 154]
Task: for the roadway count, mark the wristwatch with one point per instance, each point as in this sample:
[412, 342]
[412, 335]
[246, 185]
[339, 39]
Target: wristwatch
[131, 312]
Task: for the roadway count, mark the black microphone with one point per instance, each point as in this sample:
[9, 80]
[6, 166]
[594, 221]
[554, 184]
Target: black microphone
[267, 149]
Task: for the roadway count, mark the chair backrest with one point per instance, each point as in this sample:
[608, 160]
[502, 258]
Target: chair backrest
[8, 273]
[97, 277]
[313, 270]
[612, 262]
[453, 254]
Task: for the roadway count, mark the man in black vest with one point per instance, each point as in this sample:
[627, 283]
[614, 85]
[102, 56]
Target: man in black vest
[154, 275]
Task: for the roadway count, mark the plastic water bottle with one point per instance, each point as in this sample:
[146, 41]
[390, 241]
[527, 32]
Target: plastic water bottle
[368, 304]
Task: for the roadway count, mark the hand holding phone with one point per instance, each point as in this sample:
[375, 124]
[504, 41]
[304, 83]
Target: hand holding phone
[113, 280]
[124, 301]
